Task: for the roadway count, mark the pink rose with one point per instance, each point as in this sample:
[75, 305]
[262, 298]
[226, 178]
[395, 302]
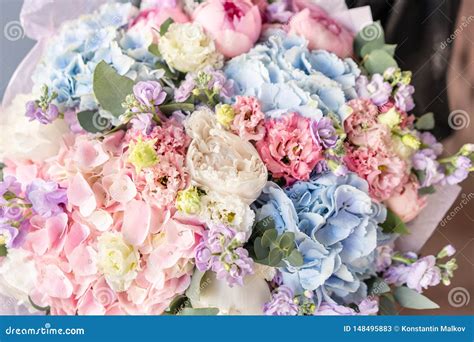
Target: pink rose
[151, 19]
[234, 25]
[407, 204]
[321, 31]
[288, 149]
[249, 123]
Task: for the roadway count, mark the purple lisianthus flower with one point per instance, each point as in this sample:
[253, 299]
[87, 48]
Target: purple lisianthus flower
[403, 97]
[324, 133]
[149, 93]
[143, 123]
[8, 234]
[282, 303]
[423, 273]
[377, 89]
[46, 197]
[462, 165]
[34, 112]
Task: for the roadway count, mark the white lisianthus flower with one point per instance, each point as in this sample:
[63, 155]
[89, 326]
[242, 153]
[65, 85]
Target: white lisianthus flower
[17, 277]
[28, 140]
[187, 48]
[229, 210]
[236, 300]
[118, 261]
[220, 161]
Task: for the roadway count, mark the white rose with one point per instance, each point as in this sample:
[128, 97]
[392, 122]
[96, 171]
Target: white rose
[248, 299]
[118, 261]
[28, 140]
[228, 210]
[221, 161]
[17, 276]
[187, 48]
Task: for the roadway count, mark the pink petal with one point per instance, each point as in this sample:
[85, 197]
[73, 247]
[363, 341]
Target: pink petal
[136, 222]
[77, 234]
[80, 194]
[83, 260]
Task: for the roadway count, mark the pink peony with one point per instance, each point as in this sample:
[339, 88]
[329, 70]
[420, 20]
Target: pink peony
[288, 149]
[321, 31]
[150, 20]
[407, 204]
[234, 25]
[249, 121]
[385, 172]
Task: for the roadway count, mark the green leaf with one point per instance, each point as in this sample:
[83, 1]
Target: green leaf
[377, 61]
[199, 312]
[110, 88]
[371, 34]
[411, 299]
[2, 166]
[377, 286]
[92, 122]
[393, 224]
[387, 305]
[390, 49]
[39, 308]
[169, 108]
[295, 258]
[165, 26]
[287, 241]
[3, 250]
[275, 257]
[425, 122]
[427, 190]
[178, 304]
[260, 251]
[269, 237]
[154, 50]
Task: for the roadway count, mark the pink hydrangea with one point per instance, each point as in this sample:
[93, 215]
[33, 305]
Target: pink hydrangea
[288, 149]
[385, 172]
[249, 121]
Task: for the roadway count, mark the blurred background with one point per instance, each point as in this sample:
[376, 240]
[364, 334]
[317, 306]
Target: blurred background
[435, 41]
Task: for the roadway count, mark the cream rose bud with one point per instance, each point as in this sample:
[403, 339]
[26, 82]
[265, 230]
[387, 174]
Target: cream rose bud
[187, 48]
[220, 161]
[118, 261]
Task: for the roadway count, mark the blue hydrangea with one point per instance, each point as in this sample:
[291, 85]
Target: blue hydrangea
[336, 229]
[285, 76]
[71, 56]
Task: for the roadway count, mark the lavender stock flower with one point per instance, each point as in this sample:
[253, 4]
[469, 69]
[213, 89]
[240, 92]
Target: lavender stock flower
[403, 97]
[149, 93]
[377, 89]
[8, 234]
[44, 116]
[282, 303]
[462, 165]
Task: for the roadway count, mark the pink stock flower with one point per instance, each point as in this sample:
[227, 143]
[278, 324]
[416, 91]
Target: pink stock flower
[249, 121]
[385, 172]
[321, 31]
[407, 204]
[288, 149]
[234, 25]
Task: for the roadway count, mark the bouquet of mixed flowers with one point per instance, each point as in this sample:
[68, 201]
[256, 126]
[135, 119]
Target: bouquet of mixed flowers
[217, 157]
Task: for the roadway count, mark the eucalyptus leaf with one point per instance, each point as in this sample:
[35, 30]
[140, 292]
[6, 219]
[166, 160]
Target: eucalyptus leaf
[178, 304]
[3, 250]
[295, 258]
[199, 312]
[165, 26]
[377, 61]
[427, 190]
[154, 50]
[2, 166]
[393, 224]
[92, 122]
[377, 286]
[169, 108]
[425, 122]
[269, 237]
[260, 251]
[387, 305]
[287, 240]
[411, 299]
[390, 49]
[274, 257]
[110, 88]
